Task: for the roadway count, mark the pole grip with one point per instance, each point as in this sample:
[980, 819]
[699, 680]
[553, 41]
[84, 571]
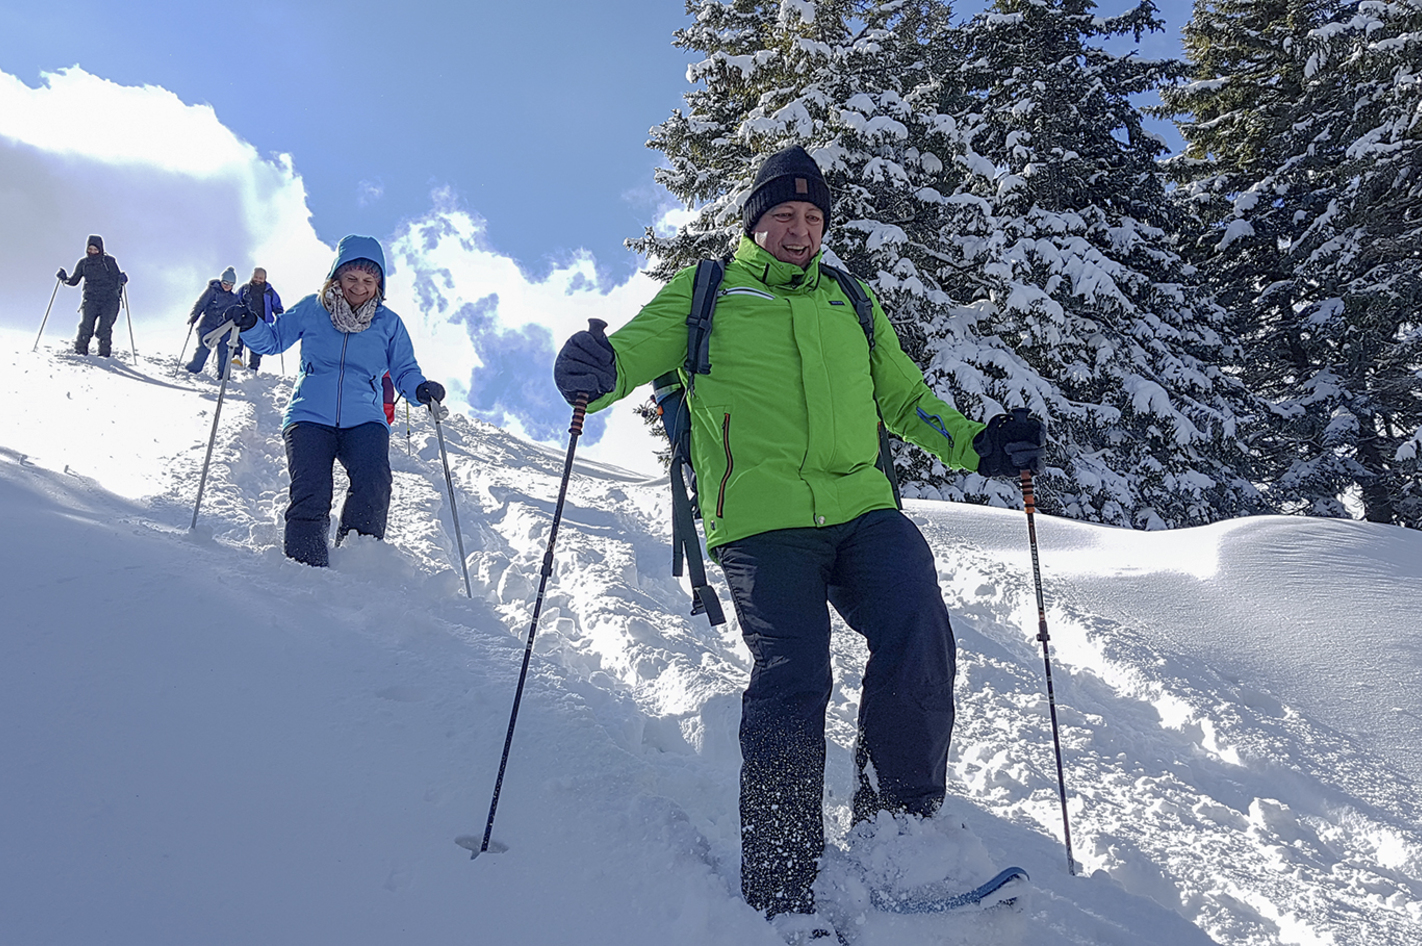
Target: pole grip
[580, 410]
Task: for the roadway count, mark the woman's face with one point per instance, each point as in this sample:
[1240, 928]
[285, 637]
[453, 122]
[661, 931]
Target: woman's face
[358, 285]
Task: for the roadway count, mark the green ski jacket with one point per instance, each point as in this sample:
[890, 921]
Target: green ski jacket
[784, 428]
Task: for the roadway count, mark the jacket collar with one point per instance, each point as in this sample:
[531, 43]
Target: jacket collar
[775, 273]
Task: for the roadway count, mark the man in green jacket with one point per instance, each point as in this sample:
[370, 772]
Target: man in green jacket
[784, 443]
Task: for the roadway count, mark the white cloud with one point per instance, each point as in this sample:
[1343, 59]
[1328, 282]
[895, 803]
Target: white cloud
[178, 197]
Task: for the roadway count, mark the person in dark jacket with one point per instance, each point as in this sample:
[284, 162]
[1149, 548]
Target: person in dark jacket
[211, 308]
[800, 518]
[103, 288]
[349, 340]
[261, 299]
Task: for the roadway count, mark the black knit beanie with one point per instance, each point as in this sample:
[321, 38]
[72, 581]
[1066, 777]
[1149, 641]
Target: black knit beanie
[786, 175]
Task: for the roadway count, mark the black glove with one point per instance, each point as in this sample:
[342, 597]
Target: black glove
[586, 365]
[244, 317]
[429, 391]
[1010, 444]
[62, 274]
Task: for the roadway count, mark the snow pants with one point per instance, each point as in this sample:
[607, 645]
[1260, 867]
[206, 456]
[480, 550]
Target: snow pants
[877, 571]
[97, 318]
[311, 453]
[200, 357]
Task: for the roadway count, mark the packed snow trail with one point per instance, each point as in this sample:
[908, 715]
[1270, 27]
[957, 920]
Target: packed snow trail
[211, 743]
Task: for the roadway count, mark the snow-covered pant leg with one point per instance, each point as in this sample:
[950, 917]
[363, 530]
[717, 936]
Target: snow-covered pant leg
[878, 572]
[885, 587]
[310, 460]
[778, 582]
[365, 453]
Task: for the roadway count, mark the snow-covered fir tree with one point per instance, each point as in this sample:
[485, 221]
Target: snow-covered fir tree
[995, 187]
[1091, 317]
[1358, 257]
[1302, 179]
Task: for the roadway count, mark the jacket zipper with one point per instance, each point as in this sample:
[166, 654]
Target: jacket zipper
[730, 465]
[341, 377]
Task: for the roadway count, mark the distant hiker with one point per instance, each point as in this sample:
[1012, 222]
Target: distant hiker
[103, 287]
[211, 308]
[260, 297]
[348, 341]
[785, 439]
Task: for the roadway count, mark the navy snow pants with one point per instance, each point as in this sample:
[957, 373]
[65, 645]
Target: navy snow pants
[311, 453]
[877, 571]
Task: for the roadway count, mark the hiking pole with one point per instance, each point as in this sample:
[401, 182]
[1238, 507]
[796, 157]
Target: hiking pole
[449, 483]
[57, 281]
[1029, 502]
[575, 430]
[129, 313]
[230, 329]
[184, 350]
[408, 451]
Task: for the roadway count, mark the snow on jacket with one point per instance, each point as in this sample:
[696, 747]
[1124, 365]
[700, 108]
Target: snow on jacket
[339, 381]
[212, 305]
[271, 302]
[784, 428]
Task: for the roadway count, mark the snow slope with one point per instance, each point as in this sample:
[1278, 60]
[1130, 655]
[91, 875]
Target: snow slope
[207, 743]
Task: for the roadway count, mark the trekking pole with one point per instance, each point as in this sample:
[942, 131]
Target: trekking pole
[184, 350]
[1029, 502]
[129, 313]
[217, 412]
[57, 281]
[574, 431]
[408, 451]
[453, 510]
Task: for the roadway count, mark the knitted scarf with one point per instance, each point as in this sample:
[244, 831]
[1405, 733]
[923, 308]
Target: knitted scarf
[343, 317]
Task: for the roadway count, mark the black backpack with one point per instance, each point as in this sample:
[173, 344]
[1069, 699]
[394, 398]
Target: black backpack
[671, 398]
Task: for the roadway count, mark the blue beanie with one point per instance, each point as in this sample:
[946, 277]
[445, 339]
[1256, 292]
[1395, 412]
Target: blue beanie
[229, 275]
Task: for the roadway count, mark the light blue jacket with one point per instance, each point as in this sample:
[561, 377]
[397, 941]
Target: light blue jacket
[339, 381]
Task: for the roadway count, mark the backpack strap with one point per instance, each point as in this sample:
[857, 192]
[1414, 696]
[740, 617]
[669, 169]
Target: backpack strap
[671, 392]
[864, 309]
[698, 320]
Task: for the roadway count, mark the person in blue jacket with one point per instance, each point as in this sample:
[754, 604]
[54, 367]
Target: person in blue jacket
[349, 340]
[261, 298]
[211, 308]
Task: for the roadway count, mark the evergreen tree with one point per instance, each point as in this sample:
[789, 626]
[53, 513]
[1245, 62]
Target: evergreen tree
[1090, 315]
[1358, 258]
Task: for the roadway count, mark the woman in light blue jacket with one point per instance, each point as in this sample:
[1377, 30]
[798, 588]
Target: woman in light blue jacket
[349, 340]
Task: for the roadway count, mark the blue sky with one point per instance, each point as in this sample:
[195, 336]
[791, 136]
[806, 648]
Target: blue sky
[534, 112]
[497, 150]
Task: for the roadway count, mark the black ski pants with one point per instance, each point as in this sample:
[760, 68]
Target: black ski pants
[311, 453]
[877, 571]
[97, 317]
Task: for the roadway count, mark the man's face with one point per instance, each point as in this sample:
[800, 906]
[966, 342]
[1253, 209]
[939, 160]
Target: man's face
[259, 277]
[92, 250]
[791, 232]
